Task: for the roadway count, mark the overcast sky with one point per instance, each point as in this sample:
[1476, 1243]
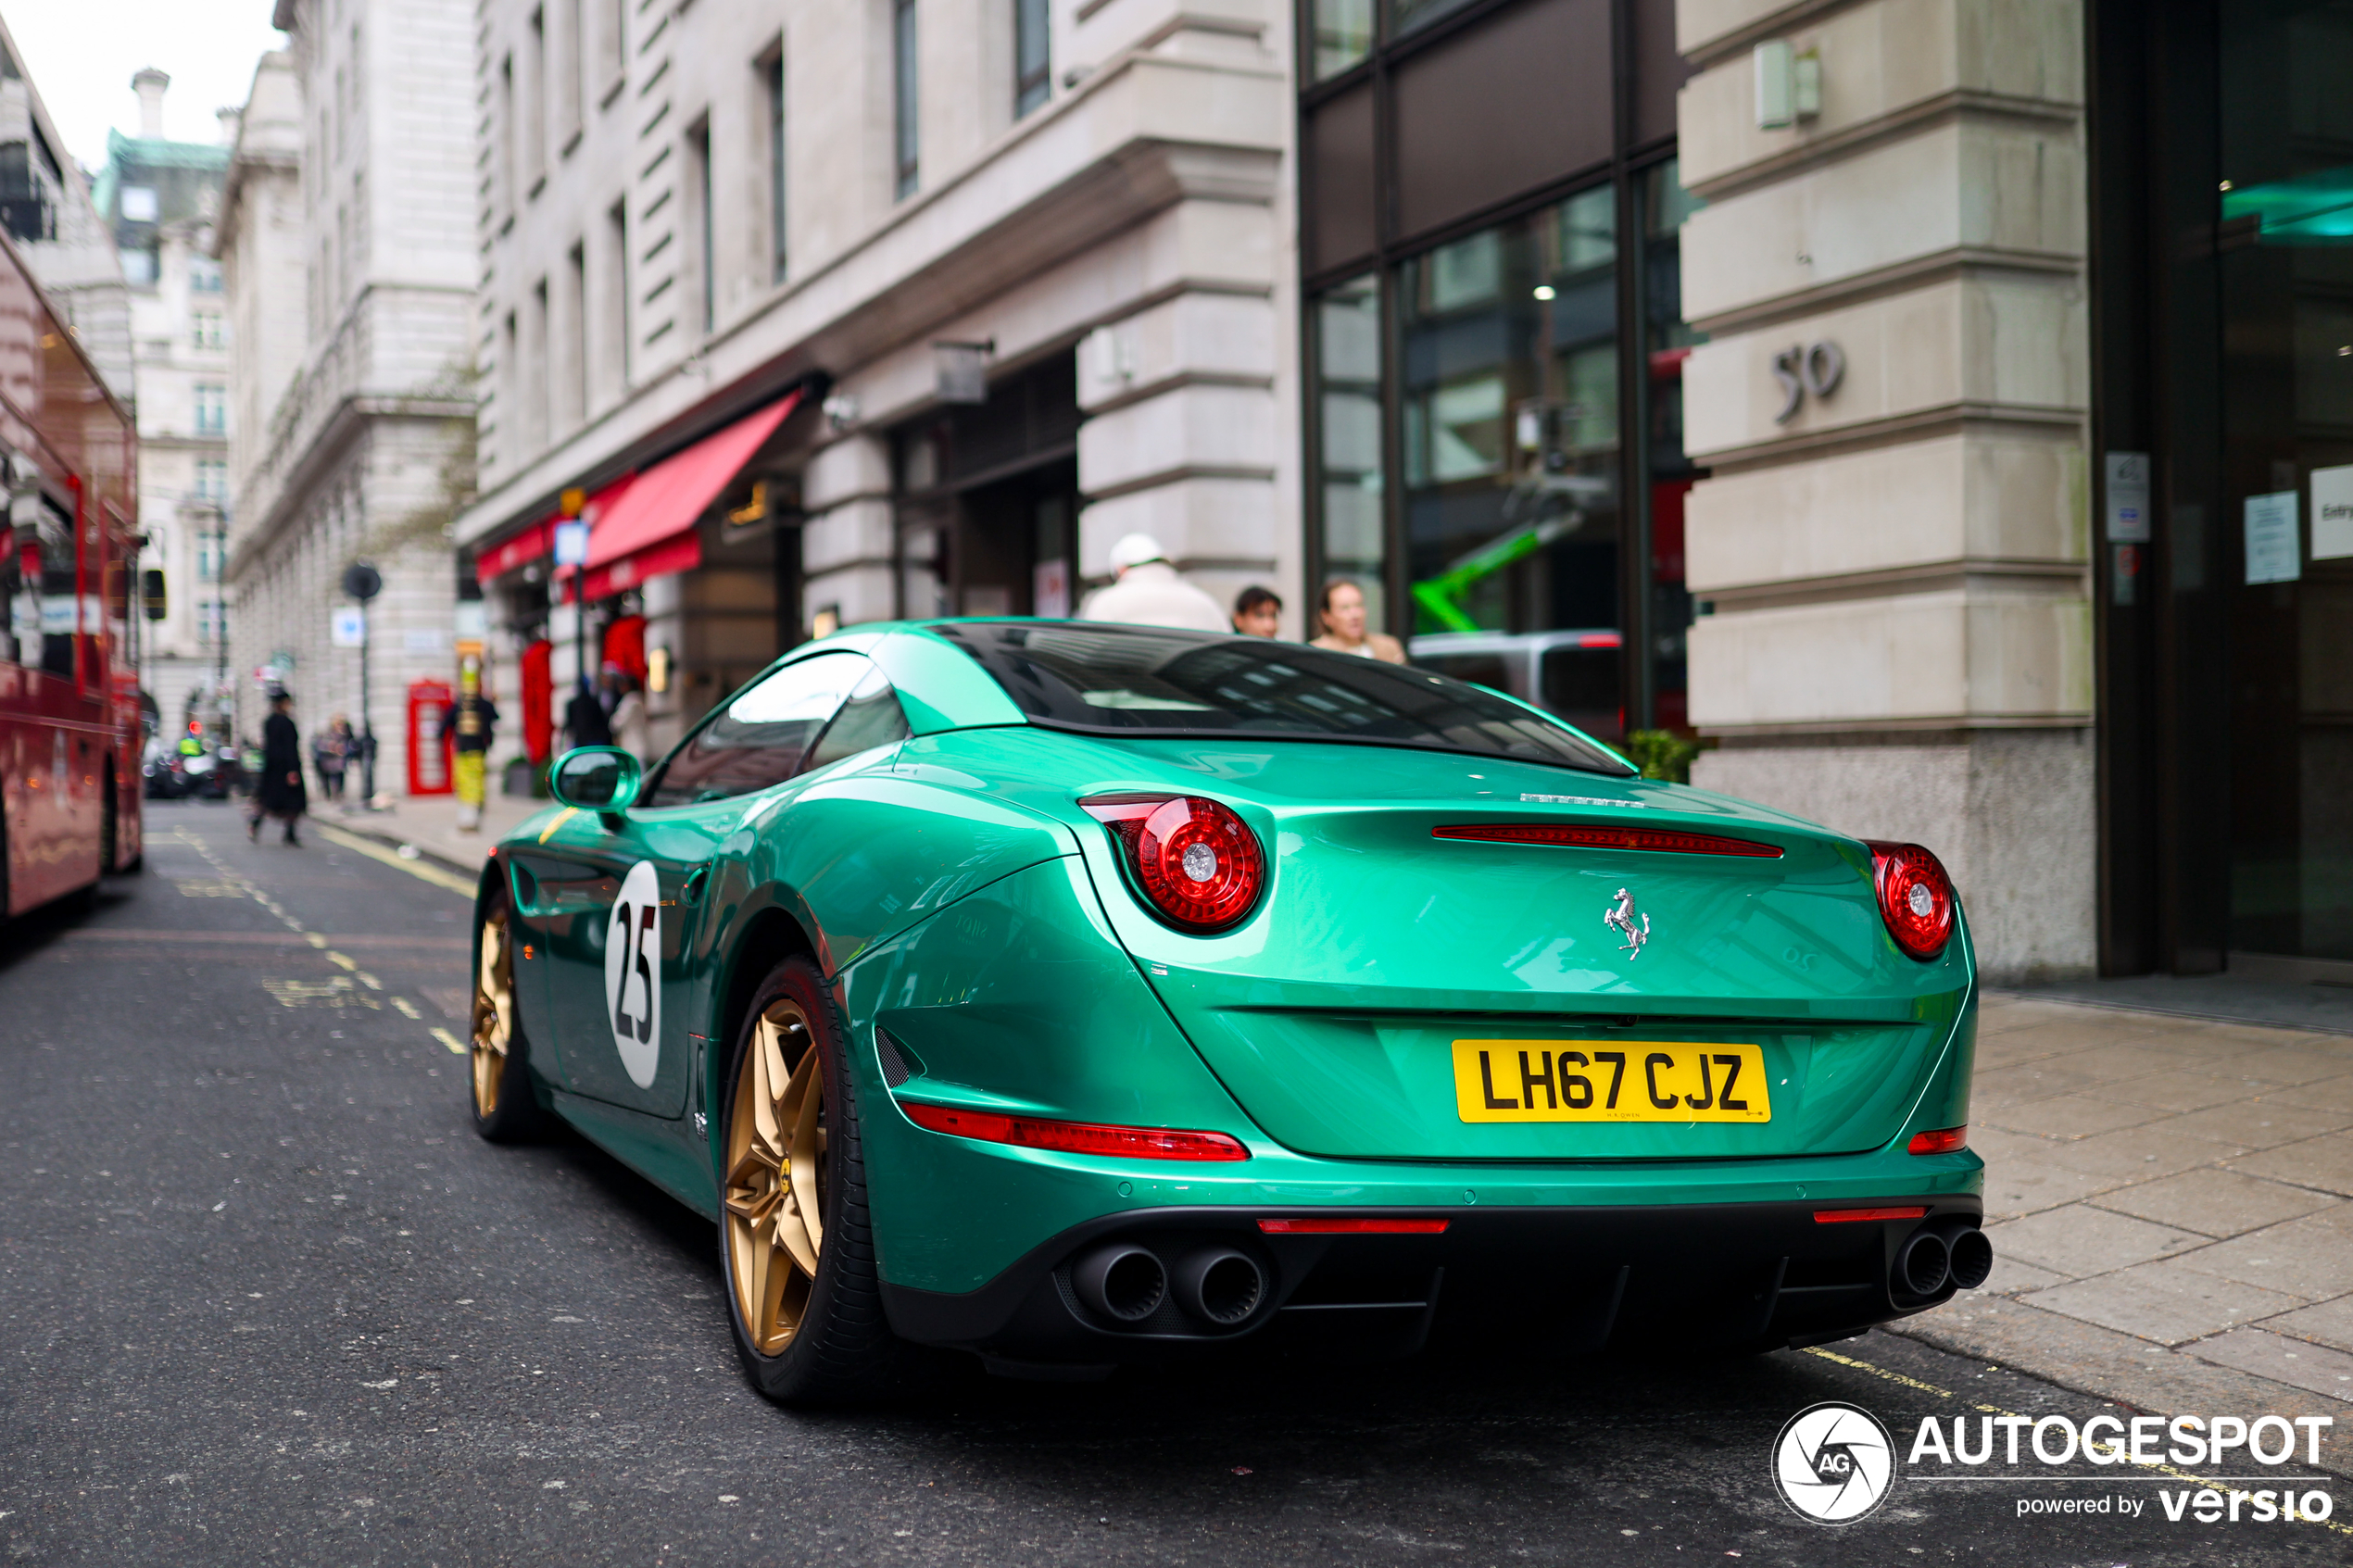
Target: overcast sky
[81, 54]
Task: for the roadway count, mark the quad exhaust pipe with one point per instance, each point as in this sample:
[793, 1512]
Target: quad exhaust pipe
[1956, 1253]
[1122, 1281]
[1128, 1282]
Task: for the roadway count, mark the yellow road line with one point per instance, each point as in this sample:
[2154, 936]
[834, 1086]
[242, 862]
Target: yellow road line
[422, 868]
[456, 1046]
[2160, 1468]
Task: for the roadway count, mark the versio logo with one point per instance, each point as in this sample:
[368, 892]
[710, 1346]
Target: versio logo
[1833, 1463]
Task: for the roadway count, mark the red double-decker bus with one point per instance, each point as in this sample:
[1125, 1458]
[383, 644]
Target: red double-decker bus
[70, 729]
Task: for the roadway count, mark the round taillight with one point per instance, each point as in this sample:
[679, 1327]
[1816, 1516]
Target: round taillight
[1199, 864]
[1915, 897]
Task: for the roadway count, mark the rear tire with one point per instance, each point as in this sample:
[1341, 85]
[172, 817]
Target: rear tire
[506, 1109]
[806, 1336]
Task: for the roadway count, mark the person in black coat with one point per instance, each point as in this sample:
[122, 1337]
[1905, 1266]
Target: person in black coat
[279, 792]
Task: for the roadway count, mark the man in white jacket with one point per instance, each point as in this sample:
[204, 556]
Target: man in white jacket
[1148, 592]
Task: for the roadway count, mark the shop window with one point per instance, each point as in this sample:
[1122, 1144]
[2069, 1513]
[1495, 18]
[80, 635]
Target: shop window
[1406, 14]
[1511, 425]
[1348, 433]
[1343, 35]
[1668, 343]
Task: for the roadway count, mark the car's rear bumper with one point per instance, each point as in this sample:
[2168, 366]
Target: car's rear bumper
[1549, 1280]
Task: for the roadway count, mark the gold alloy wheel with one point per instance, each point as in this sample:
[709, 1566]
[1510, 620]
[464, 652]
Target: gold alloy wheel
[777, 1176]
[493, 1013]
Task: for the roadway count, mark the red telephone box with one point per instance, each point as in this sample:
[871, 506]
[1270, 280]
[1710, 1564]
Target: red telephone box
[429, 701]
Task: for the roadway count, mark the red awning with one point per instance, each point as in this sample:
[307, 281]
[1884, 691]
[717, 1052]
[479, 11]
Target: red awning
[516, 549]
[647, 529]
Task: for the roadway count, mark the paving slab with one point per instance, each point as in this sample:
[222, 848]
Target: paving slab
[2312, 1256]
[2329, 1093]
[2182, 1090]
[2016, 1187]
[2325, 1162]
[2079, 1240]
[2293, 1361]
[2263, 1123]
[2134, 1153]
[2213, 1202]
[2163, 1302]
[2033, 1081]
[2330, 1323]
[2068, 1116]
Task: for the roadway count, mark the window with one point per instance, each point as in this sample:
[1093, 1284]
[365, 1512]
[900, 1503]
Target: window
[572, 66]
[533, 105]
[871, 718]
[1033, 56]
[1510, 430]
[212, 478]
[207, 330]
[906, 120]
[506, 169]
[773, 72]
[705, 251]
[343, 116]
[1343, 35]
[759, 740]
[138, 203]
[534, 375]
[212, 408]
[209, 551]
[612, 48]
[1348, 408]
[1406, 14]
[575, 336]
[1102, 679]
[204, 276]
[617, 296]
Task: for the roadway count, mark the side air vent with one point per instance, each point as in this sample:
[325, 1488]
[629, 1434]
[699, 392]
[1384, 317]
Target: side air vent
[894, 1064]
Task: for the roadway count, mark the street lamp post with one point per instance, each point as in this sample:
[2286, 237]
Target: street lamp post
[363, 583]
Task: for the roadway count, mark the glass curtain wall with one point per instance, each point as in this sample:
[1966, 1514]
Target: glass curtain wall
[2286, 252]
[1667, 342]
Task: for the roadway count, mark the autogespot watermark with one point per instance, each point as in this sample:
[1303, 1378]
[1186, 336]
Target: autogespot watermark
[1836, 1463]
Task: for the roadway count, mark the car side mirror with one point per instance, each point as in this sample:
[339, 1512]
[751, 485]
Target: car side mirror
[595, 778]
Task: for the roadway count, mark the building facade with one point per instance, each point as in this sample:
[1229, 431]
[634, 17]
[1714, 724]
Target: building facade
[1022, 268]
[160, 197]
[362, 447]
[46, 209]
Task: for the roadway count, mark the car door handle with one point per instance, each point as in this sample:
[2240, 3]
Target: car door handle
[697, 880]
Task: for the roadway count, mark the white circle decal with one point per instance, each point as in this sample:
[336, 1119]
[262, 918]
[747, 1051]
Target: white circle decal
[1833, 1463]
[632, 973]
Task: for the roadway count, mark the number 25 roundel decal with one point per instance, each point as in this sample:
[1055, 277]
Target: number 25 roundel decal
[632, 973]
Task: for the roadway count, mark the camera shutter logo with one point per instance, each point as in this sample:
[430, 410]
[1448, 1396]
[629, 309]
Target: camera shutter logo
[1833, 1463]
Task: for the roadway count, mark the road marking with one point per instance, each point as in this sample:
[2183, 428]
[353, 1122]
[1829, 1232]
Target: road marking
[425, 869]
[456, 1046]
[407, 1007]
[2167, 1470]
[340, 961]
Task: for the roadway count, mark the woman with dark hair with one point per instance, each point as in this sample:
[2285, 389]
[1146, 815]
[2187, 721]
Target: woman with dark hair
[1341, 609]
[1258, 612]
[279, 792]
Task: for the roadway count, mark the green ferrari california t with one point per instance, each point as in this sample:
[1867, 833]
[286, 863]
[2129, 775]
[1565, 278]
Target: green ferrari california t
[1078, 994]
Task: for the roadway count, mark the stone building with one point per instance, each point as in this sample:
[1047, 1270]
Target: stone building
[366, 450]
[46, 210]
[924, 303]
[160, 198]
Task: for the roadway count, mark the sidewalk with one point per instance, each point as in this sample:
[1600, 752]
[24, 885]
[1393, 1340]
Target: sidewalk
[429, 824]
[2168, 1201]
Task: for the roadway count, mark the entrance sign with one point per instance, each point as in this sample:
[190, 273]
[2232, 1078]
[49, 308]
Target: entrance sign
[2273, 548]
[2128, 497]
[2332, 513]
[348, 626]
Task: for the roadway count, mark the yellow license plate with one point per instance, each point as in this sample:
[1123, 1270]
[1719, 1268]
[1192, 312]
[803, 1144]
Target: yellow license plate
[1608, 1080]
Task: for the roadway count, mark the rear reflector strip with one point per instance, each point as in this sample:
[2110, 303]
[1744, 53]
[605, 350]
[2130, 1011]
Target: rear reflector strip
[1353, 1227]
[1577, 836]
[1944, 1142]
[1842, 1216]
[1073, 1138]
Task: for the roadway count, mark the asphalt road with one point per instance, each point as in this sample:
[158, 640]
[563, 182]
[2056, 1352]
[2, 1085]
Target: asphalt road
[265, 1299]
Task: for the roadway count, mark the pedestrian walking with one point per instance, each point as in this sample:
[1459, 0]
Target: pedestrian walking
[278, 790]
[1341, 609]
[467, 727]
[585, 721]
[1258, 612]
[632, 725]
[330, 753]
[1150, 592]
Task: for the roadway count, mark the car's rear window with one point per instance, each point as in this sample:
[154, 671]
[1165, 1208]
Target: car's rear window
[1137, 680]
